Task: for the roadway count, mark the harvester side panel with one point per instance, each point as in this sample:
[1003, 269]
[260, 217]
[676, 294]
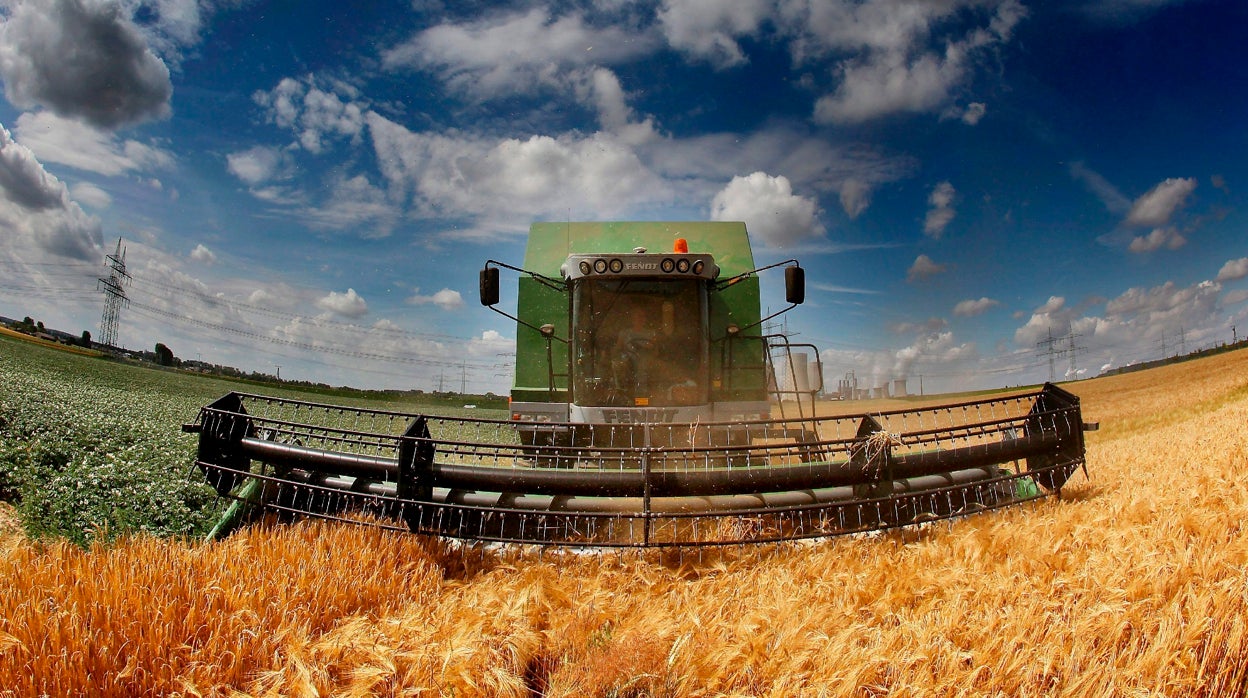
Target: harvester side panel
[738, 367]
[538, 304]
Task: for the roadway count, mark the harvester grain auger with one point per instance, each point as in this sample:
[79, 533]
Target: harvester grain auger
[642, 415]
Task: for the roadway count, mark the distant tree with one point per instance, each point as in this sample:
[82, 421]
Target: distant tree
[164, 355]
[40, 325]
[86, 339]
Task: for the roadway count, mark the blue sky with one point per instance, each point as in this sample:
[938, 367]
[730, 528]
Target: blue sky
[314, 185]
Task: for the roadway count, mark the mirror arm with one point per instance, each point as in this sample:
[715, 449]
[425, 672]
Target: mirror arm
[721, 285]
[556, 284]
[756, 324]
[547, 331]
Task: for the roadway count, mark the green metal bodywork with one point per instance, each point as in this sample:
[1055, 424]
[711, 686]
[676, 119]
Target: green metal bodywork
[737, 365]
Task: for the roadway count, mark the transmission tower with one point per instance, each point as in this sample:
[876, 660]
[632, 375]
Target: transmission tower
[1073, 350]
[1052, 352]
[114, 295]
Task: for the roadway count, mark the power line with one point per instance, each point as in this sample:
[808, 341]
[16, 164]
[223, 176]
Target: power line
[49, 292]
[163, 300]
[220, 339]
[240, 306]
[85, 266]
[323, 348]
[167, 291]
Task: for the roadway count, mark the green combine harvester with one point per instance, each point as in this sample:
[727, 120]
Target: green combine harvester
[639, 323]
[650, 408]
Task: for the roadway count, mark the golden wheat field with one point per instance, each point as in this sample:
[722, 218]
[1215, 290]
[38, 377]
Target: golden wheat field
[1134, 584]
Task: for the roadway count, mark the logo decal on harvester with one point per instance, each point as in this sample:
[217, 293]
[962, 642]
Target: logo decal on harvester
[654, 416]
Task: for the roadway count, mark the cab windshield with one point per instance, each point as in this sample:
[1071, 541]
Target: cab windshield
[639, 342]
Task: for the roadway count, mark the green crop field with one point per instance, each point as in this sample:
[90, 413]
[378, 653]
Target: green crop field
[91, 448]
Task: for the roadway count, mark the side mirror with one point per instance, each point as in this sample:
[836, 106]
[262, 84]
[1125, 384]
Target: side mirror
[794, 285]
[489, 286]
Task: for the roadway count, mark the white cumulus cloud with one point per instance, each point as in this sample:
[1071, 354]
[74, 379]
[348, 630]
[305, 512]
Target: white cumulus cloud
[891, 68]
[941, 210]
[1233, 270]
[1166, 237]
[510, 178]
[203, 255]
[769, 208]
[313, 111]
[91, 195]
[937, 347]
[37, 210]
[923, 268]
[490, 344]
[257, 165]
[508, 53]
[1049, 319]
[971, 308]
[80, 145]
[84, 60]
[973, 113]
[446, 299]
[348, 304]
[709, 29]
[855, 196]
[1155, 208]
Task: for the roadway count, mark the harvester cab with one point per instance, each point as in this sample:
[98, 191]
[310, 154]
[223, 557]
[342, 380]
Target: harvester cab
[611, 332]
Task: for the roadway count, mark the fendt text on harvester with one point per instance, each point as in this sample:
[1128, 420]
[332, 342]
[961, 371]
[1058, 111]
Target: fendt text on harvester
[650, 407]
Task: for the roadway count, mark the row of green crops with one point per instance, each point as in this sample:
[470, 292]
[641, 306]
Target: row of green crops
[90, 449]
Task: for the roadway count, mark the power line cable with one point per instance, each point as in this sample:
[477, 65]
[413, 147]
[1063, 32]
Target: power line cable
[296, 343]
[232, 305]
[218, 338]
[237, 306]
